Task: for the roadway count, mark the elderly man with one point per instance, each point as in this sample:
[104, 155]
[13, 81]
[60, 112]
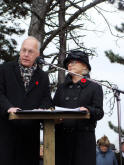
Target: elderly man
[23, 85]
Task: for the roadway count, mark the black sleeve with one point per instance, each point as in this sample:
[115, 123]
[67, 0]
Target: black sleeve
[4, 102]
[47, 100]
[96, 109]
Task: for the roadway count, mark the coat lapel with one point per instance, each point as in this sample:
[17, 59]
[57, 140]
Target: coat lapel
[34, 81]
[18, 74]
[83, 84]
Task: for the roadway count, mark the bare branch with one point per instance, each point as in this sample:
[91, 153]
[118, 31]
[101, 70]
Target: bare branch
[70, 20]
[47, 7]
[73, 4]
[75, 39]
[108, 24]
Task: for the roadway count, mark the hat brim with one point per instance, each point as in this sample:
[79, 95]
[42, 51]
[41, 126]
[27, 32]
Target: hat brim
[66, 61]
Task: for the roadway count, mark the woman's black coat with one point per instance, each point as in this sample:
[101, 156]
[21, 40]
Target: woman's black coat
[20, 139]
[75, 139]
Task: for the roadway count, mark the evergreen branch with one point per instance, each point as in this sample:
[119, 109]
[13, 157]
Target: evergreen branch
[115, 128]
[114, 58]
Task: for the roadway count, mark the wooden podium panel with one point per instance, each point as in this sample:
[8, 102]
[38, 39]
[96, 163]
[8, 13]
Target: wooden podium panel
[49, 127]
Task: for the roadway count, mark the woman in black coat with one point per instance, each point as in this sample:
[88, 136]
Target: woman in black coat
[75, 142]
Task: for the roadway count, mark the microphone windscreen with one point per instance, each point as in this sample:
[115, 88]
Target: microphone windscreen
[39, 60]
[85, 72]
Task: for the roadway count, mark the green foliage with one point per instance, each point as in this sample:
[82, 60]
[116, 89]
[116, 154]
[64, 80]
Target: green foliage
[114, 58]
[115, 128]
[10, 28]
[120, 29]
[17, 8]
[121, 5]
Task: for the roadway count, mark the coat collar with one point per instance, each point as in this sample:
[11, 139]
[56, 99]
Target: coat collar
[83, 82]
[18, 74]
[34, 82]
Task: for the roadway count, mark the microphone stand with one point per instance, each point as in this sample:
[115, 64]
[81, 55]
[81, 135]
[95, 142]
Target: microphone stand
[116, 92]
[118, 100]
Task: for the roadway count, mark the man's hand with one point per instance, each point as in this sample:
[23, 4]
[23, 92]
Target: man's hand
[13, 109]
[84, 109]
[58, 121]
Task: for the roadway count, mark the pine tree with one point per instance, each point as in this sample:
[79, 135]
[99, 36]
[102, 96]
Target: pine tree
[116, 58]
[10, 11]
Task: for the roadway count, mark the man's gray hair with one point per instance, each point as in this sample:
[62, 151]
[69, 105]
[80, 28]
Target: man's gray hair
[39, 44]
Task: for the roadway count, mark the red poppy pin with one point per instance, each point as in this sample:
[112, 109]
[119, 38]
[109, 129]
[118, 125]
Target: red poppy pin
[83, 80]
[36, 82]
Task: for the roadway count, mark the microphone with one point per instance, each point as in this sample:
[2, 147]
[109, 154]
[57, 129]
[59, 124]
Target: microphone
[85, 72]
[40, 60]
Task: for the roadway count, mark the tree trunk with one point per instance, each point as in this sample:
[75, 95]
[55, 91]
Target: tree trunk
[62, 41]
[37, 23]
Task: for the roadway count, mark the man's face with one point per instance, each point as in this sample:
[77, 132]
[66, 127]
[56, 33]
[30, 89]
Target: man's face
[29, 52]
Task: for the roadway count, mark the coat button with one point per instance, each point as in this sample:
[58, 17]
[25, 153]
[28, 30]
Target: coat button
[67, 98]
[70, 86]
[75, 98]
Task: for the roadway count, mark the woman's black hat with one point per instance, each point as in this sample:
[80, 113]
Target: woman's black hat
[77, 55]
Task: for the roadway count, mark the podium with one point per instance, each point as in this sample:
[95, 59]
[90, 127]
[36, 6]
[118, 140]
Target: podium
[49, 118]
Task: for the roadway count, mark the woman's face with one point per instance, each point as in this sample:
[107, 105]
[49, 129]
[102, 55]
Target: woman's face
[103, 148]
[77, 67]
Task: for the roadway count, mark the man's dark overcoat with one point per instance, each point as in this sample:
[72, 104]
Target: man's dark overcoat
[75, 139]
[118, 158]
[20, 139]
